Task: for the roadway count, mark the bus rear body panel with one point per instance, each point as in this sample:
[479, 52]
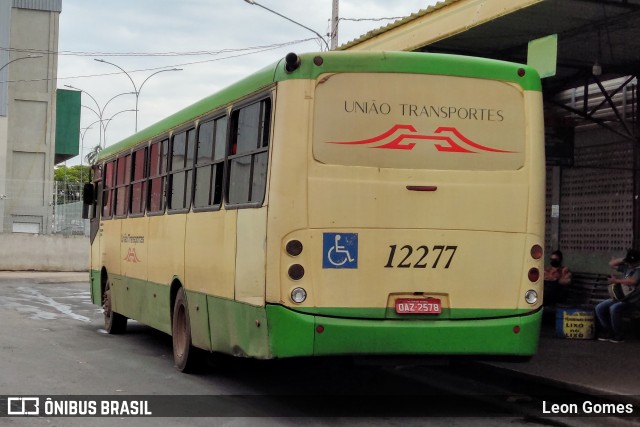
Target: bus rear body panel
[424, 198]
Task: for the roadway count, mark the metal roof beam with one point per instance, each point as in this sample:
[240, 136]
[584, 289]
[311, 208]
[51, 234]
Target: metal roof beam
[443, 21]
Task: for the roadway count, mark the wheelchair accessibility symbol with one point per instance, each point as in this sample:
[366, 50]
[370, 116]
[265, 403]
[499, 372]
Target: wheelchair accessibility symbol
[340, 250]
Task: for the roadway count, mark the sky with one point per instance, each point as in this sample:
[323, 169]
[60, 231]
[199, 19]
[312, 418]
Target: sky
[213, 42]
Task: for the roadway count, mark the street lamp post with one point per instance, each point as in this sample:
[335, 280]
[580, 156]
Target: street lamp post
[97, 113]
[255, 3]
[135, 88]
[82, 134]
[18, 59]
[109, 121]
[114, 97]
[100, 111]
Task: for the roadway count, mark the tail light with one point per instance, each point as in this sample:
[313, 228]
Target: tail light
[536, 252]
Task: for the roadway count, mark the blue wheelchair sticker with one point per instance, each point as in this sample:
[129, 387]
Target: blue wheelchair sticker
[340, 250]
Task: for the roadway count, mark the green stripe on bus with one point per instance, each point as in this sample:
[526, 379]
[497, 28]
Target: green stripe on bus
[96, 291]
[275, 331]
[296, 334]
[237, 328]
[414, 63]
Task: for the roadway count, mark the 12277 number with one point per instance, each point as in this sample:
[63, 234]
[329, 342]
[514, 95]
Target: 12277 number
[404, 256]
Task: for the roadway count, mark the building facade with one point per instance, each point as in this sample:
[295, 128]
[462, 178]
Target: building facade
[28, 59]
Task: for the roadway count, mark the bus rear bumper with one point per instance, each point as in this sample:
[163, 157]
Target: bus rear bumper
[296, 334]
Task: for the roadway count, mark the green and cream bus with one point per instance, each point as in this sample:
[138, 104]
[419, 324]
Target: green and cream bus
[340, 203]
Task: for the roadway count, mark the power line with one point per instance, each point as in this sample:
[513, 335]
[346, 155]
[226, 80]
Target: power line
[392, 18]
[150, 54]
[265, 49]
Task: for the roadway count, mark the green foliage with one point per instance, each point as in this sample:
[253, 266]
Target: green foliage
[78, 173]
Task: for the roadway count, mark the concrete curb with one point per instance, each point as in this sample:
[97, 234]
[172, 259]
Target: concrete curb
[46, 276]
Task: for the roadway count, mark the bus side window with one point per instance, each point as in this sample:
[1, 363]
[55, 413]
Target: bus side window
[97, 188]
[250, 130]
[180, 174]
[123, 178]
[107, 190]
[139, 185]
[212, 136]
[157, 175]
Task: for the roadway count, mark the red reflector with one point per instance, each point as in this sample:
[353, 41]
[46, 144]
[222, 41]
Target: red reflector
[516, 329]
[536, 251]
[534, 274]
[319, 329]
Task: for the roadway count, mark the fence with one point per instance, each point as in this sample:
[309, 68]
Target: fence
[42, 207]
[42, 227]
[67, 209]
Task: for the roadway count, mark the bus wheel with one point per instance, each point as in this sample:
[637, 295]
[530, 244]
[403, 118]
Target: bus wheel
[184, 355]
[114, 323]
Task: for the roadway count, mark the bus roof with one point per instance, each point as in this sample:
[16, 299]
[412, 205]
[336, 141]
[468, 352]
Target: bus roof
[314, 64]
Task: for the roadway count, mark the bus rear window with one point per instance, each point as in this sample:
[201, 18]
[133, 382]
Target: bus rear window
[414, 121]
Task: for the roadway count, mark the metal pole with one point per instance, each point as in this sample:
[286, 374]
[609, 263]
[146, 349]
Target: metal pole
[252, 2]
[334, 24]
[109, 121]
[18, 59]
[140, 89]
[135, 88]
[100, 132]
[82, 134]
[120, 94]
[98, 113]
[636, 168]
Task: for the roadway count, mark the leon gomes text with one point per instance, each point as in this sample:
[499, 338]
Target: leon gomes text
[587, 408]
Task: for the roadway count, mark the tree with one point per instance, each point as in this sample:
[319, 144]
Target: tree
[77, 173]
[69, 182]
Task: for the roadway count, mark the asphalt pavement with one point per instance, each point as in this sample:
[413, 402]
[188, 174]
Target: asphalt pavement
[598, 368]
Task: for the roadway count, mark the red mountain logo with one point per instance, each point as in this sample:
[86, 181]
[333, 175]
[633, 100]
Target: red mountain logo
[132, 256]
[394, 138]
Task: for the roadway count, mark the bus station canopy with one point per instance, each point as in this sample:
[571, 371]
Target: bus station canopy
[592, 103]
[605, 33]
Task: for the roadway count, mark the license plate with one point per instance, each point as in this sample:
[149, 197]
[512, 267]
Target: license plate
[418, 306]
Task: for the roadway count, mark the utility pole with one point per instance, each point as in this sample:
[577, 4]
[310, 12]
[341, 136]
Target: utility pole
[334, 25]
[255, 3]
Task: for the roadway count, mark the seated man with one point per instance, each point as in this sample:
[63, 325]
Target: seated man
[611, 312]
[557, 278]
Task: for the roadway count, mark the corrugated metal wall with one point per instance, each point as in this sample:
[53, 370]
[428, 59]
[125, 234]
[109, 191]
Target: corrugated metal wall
[50, 5]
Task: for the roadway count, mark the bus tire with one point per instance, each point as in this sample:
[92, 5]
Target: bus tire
[185, 356]
[114, 323]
